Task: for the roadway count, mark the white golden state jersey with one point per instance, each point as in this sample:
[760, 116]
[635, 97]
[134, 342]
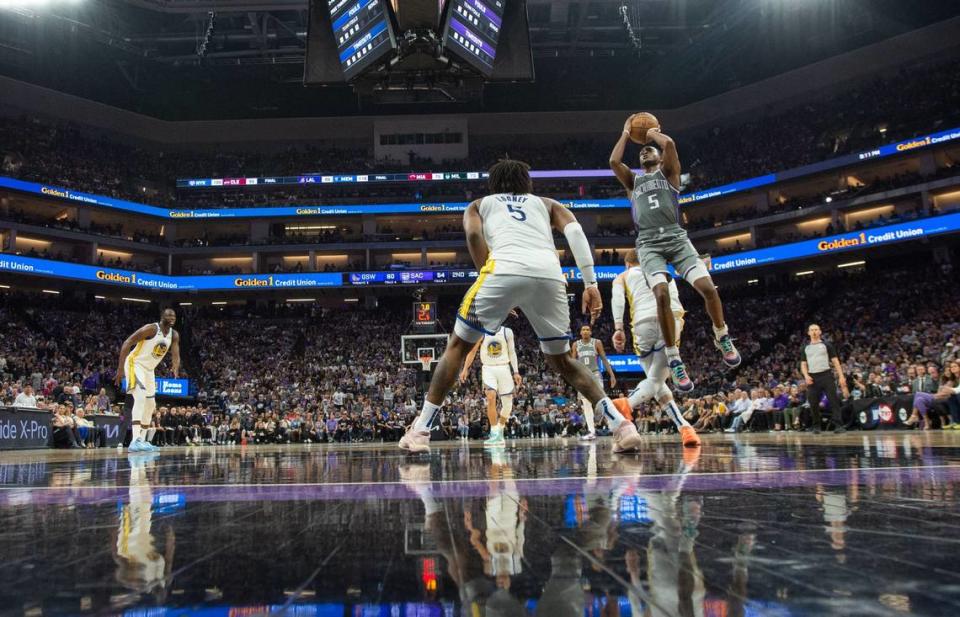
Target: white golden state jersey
[150, 352]
[495, 349]
[518, 232]
[640, 298]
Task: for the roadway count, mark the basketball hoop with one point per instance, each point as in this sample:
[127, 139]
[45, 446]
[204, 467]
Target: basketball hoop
[425, 362]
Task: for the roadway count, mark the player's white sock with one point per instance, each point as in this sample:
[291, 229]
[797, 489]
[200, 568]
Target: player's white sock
[673, 412]
[588, 417]
[607, 410]
[427, 413]
[721, 332]
[135, 432]
[673, 353]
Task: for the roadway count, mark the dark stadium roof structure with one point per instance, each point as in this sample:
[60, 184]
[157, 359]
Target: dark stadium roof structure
[156, 56]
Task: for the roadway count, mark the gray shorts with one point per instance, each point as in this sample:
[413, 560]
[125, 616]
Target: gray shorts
[673, 249]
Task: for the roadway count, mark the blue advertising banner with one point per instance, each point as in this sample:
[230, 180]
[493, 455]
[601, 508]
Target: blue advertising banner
[877, 236]
[160, 282]
[167, 386]
[623, 364]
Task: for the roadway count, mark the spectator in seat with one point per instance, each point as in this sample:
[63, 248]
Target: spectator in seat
[26, 399]
[64, 429]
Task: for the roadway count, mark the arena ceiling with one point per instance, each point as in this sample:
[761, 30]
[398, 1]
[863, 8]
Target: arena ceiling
[183, 59]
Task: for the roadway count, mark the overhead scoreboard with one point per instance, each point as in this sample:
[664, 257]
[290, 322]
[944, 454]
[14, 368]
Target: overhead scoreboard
[473, 31]
[361, 29]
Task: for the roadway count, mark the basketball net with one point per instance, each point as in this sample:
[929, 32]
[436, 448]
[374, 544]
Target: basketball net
[425, 362]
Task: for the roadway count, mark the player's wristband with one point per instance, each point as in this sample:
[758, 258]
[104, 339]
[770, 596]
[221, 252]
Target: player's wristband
[589, 278]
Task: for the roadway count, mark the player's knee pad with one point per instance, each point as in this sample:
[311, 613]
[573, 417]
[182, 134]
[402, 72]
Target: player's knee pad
[697, 272]
[506, 406]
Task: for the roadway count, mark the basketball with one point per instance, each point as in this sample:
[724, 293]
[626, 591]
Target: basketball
[640, 124]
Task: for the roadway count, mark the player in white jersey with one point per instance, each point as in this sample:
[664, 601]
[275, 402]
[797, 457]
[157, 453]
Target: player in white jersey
[144, 561]
[632, 285]
[500, 374]
[587, 351]
[140, 355]
[510, 238]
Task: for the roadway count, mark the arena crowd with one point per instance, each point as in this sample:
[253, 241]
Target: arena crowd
[284, 374]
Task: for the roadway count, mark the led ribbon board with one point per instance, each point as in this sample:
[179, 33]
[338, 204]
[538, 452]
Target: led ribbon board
[877, 236]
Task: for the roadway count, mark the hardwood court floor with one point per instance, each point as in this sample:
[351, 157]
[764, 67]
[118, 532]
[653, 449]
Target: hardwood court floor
[762, 524]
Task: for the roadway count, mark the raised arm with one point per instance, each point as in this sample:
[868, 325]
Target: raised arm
[146, 332]
[623, 172]
[476, 243]
[175, 354]
[606, 363]
[563, 221]
[618, 303]
[671, 160]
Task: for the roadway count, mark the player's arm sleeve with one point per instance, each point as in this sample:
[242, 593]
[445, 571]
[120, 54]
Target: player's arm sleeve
[512, 352]
[618, 302]
[582, 253]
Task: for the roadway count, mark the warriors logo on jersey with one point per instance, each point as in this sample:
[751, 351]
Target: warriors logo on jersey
[159, 350]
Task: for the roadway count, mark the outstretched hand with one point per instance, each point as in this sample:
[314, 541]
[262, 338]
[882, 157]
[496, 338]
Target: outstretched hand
[619, 341]
[592, 303]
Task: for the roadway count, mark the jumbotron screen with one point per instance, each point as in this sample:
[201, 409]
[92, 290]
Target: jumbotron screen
[473, 31]
[361, 29]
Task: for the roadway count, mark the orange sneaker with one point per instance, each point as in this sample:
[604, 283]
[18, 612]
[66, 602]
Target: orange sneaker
[689, 437]
[623, 406]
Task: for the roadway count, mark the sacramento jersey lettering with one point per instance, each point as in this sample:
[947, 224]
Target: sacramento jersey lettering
[654, 204]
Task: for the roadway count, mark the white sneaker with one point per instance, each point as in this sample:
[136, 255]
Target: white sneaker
[626, 438]
[415, 441]
[588, 437]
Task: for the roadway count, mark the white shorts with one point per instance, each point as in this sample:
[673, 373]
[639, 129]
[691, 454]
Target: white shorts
[499, 378]
[143, 380]
[647, 338]
[491, 298]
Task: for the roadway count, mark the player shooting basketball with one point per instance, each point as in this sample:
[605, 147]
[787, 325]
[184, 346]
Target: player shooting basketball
[661, 240]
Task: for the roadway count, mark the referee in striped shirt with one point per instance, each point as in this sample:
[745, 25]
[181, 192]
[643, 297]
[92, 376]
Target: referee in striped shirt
[818, 361]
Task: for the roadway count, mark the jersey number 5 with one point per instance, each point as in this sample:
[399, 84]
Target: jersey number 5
[654, 202]
[517, 213]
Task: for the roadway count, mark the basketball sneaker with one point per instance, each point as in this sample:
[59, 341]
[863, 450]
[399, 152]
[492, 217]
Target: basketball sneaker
[731, 357]
[496, 439]
[626, 438]
[689, 437]
[415, 441]
[681, 379]
[139, 445]
[588, 437]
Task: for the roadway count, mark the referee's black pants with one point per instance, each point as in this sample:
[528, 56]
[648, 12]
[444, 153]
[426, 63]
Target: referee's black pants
[824, 383]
